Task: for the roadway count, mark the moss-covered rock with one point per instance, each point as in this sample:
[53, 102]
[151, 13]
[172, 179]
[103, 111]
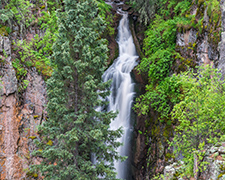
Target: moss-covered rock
[3, 31]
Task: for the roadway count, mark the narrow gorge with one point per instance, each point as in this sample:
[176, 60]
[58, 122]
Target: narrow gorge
[146, 49]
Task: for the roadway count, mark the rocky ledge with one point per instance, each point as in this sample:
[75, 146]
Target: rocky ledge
[215, 170]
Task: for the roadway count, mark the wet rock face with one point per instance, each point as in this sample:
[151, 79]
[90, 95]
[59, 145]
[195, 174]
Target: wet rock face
[18, 121]
[183, 39]
[140, 151]
[205, 51]
[221, 63]
[113, 46]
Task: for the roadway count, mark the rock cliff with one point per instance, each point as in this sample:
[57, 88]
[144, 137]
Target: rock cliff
[221, 64]
[20, 114]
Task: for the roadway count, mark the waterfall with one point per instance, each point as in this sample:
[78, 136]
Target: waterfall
[122, 91]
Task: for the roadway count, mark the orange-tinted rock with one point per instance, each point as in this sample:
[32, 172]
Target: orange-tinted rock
[17, 121]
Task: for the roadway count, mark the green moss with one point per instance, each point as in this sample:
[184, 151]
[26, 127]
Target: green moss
[32, 137]
[36, 116]
[35, 175]
[176, 175]
[214, 27]
[182, 63]
[50, 143]
[32, 174]
[116, 53]
[42, 7]
[200, 2]
[3, 31]
[222, 168]
[156, 130]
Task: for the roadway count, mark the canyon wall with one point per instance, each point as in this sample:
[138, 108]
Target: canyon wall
[20, 114]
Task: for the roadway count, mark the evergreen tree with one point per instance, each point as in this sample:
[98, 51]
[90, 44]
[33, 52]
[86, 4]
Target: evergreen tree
[146, 8]
[75, 129]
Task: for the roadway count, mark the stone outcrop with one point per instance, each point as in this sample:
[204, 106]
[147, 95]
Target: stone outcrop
[18, 120]
[198, 48]
[215, 170]
[221, 63]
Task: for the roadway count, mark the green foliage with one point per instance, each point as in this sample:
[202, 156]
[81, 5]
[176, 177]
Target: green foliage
[158, 177]
[26, 13]
[160, 97]
[103, 8]
[214, 27]
[20, 69]
[213, 10]
[159, 47]
[75, 129]
[174, 7]
[3, 31]
[21, 73]
[106, 15]
[19, 10]
[162, 90]
[200, 115]
[163, 59]
[36, 52]
[148, 9]
[6, 15]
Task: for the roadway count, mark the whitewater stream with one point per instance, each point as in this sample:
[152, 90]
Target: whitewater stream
[122, 92]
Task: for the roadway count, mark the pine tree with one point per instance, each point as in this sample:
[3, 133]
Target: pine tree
[75, 129]
[146, 9]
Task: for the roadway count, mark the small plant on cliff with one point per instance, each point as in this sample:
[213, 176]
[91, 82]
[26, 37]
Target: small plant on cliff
[35, 52]
[200, 116]
[74, 128]
[19, 11]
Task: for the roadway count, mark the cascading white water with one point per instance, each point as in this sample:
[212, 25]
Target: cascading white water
[122, 89]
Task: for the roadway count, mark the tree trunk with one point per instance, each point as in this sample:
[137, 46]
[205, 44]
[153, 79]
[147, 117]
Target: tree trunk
[195, 166]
